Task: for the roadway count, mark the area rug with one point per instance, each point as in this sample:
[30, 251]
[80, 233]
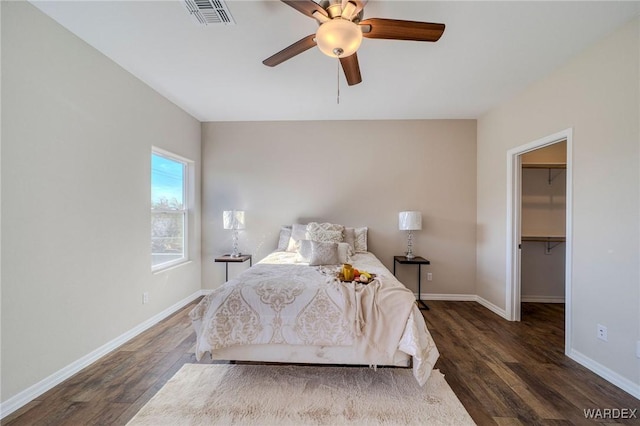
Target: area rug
[224, 394]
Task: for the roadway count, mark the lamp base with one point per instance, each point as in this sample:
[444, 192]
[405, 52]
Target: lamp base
[409, 253]
[235, 252]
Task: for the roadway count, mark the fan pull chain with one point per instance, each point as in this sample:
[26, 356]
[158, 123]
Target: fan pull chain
[338, 98]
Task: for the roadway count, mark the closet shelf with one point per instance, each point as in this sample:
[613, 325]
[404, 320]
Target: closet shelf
[549, 167]
[551, 241]
[544, 166]
[544, 238]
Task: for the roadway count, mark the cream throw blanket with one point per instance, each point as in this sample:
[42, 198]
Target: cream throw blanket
[378, 315]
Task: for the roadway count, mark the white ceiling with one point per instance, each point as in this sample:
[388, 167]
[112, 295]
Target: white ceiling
[489, 52]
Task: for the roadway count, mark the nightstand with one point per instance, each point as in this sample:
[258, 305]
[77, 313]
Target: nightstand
[227, 258]
[415, 261]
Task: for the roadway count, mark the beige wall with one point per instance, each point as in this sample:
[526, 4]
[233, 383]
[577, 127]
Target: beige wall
[596, 94]
[76, 143]
[357, 173]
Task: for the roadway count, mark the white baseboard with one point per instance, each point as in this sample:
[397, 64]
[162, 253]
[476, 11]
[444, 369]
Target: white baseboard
[493, 308]
[606, 373]
[542, 299]
[32, 392]
[466, 298]
[449, 297]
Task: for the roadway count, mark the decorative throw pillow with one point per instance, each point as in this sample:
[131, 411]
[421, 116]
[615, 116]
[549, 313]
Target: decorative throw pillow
[323, 253]
[283, 241]
[344, 253]
[327, 232]
[298, 232]
[326, 236]
[326, 226]
[361, 240]
[350, 238]
[304, 251]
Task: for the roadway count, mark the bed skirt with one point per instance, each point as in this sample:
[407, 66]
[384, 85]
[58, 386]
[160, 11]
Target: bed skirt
[298, 354]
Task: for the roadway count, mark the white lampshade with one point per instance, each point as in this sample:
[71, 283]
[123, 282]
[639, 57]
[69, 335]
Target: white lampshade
[338, 38]
[233, 219]
[410, 221]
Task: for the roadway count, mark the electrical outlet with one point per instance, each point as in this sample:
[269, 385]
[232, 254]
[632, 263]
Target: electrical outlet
[638, 348]
[429, 276]
[145, 298]
[602, 332]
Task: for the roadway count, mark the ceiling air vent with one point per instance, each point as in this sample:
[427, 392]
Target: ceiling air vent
[207, 12]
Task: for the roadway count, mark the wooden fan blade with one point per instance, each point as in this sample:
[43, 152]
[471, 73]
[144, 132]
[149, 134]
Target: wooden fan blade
[289, 52]
[306, 7]
[394, 29]
[351, 69]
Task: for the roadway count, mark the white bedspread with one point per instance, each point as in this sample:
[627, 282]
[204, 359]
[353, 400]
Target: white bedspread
[278, 301]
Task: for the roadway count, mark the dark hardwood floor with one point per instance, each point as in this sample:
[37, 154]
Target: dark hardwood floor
[504, 373]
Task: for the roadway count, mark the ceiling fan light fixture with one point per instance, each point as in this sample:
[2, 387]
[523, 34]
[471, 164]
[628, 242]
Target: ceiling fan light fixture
[338, 38]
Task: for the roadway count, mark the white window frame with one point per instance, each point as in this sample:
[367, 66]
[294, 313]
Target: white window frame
[186, 206]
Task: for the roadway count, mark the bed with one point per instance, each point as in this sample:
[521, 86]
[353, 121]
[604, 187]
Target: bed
[292, 307]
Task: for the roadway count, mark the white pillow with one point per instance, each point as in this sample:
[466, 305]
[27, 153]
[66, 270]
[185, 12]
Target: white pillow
[298, 232]
[328, 232]
[350, 238]
[326, 236]
[304, 251]
[323, 253]
[313, 226]
[283, 241]
[344, 253]
[361, 240]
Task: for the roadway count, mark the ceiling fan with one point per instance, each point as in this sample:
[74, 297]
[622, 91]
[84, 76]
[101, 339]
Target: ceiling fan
[342, 28]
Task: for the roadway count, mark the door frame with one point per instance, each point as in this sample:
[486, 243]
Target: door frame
[514, 207]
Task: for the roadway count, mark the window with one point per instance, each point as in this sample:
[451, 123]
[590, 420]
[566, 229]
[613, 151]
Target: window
[168, 210]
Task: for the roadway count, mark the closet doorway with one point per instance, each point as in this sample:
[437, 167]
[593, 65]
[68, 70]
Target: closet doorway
[539, 225]
[543, 224]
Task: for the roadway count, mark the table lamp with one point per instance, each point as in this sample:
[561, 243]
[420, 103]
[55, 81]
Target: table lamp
[410, 221]
[234, 220]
